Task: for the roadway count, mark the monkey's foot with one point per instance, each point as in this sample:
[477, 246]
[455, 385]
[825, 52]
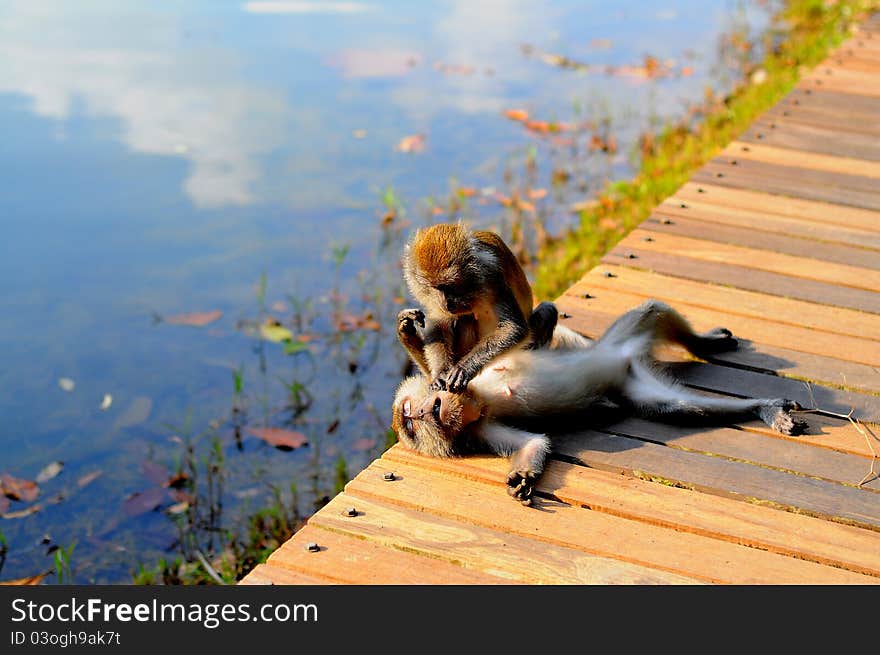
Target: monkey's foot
[407, 318]
[778, 416]
[716, 340]
[521, 484]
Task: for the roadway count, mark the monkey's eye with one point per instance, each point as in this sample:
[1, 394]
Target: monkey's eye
[435, 410]
[408, 426]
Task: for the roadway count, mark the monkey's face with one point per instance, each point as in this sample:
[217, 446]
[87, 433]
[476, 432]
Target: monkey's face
[429, 421]
[459, 297]
[443, 269]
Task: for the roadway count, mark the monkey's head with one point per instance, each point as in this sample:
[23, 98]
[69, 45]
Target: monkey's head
[430, 421]
[443, 268]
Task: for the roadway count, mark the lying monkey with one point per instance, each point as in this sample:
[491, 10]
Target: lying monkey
[572, 374]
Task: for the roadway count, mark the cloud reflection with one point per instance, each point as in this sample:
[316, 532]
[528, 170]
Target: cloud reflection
[172, 99]
[306, 7]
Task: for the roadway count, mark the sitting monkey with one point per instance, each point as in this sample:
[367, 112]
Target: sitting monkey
[477, 303]
[571, 375]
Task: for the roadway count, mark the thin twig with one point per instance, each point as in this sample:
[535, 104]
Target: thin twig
[857, 425]
[210, 569]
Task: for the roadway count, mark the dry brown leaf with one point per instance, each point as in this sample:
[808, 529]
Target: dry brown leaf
[31, 580]
[145, 501]
[154, 472]
[88, 478]
[412, 143]
[363, 444]
[20, 514]
[517, 114]
[19, 489]
[280, 438]
[195, 319]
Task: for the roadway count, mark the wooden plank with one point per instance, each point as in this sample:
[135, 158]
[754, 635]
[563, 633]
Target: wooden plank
[794, 208]
[679, 223]
[865, 125]
[788, 455]
[756, 330]
[739, 150]
[480, 548]
[741, 276]
[842, 104]
[266, 574]
[855, 83]
[787, 180]
[605, 535]
[758, 260]
[679, 291]
[350, 560]
[761, 223]
[817, 140]
[767, 528]
[851, 64]
[714, 475]
[733, 381]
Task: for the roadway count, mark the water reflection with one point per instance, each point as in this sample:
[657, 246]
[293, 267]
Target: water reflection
[171, 97]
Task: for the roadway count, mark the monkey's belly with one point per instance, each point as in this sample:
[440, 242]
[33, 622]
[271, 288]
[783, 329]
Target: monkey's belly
[530, 383]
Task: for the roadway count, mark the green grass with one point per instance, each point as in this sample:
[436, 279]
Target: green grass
[813, 28]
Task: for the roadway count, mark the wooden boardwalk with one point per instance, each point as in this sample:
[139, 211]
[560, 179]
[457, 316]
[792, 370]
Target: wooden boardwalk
[777, 238]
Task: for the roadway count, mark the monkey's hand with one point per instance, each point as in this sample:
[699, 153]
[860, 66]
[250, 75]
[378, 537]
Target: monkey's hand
[456, 379]
[407, 319]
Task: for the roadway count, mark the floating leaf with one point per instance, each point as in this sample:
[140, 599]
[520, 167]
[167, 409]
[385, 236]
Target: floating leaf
[273, 331]
[179, 496]
[88, 478]
[363, 444]
[19, 489]
[137, 411]
[142, 502]
[280, 438]
[351, 322]
[66, 384]
[49, 471]
[517, 114]
[31, 580]
[177, 480]
[537, 194]
[106, 402]
[154, 472]
[412, 143]
[359, 134]
[293, 347]
[20, 514]
[178, 508]
[195, 319]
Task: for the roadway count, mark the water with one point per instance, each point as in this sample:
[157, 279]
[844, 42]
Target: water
[166, 158]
